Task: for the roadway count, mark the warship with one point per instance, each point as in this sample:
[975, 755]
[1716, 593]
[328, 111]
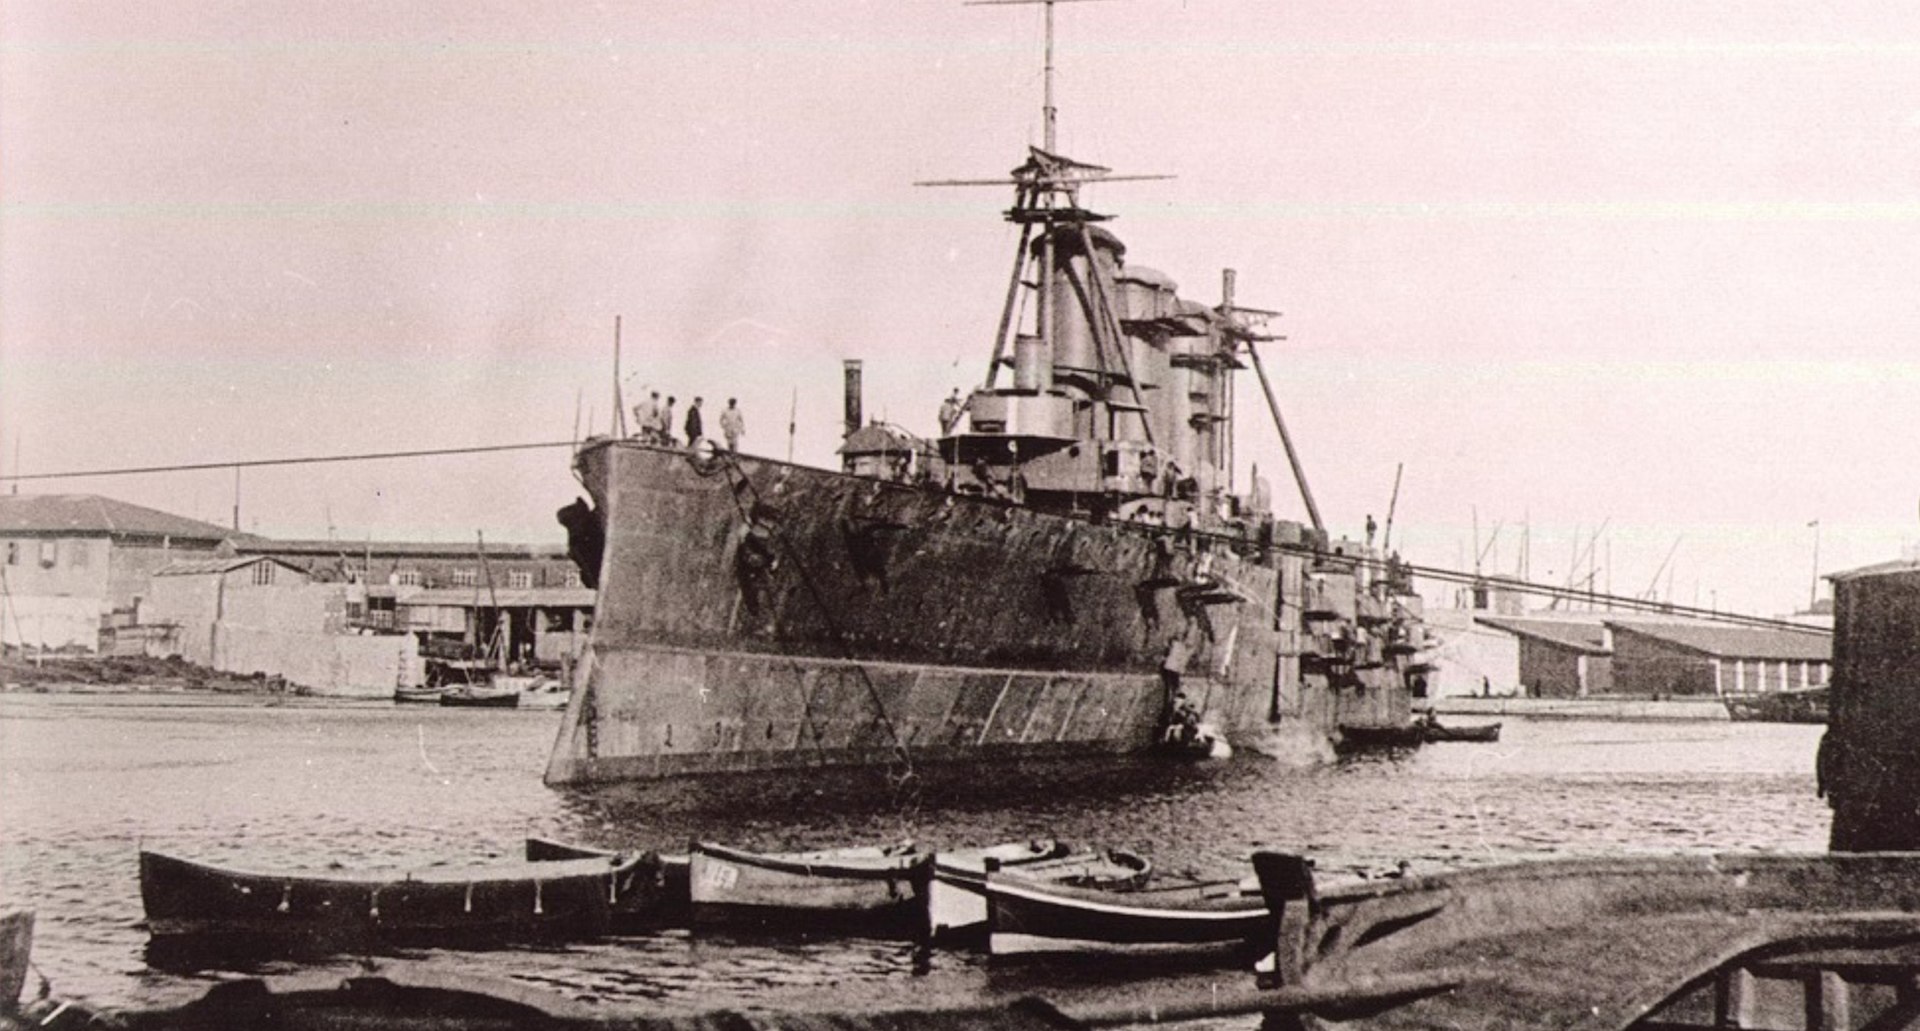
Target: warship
[1066, 570]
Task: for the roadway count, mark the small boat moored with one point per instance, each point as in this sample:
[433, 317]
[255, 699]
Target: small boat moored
[661, 902]
[874, 891]
[1361, 739]
[480, 696]
[1432, 731]
[1795, 705]
[189, 900]
[1025, 915]
[957, 902]
[1424, 730]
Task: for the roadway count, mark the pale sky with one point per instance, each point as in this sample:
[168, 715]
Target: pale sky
[1648, 263]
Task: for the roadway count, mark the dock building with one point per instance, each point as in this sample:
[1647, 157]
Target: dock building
[1469, 658]
[1598, 654]
[75, 567]
[92, 574]
[262, 615]
[454, 598]
[1698, 658]
[1560, 658]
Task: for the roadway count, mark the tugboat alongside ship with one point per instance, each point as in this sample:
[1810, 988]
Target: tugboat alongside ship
[1069, 570]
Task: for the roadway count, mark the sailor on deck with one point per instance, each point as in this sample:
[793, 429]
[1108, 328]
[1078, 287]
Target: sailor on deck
[646, 418]
[694, 427]
[950, 411]
[733, 425]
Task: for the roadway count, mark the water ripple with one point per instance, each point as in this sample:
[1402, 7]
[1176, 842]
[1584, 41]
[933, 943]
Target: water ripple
[87, 784]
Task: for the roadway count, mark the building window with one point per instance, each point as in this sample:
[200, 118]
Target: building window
[49, 554]
[13, 553]
[465, 578]
[77, 554]
[520, 579]
[409, 578]
[263, 573]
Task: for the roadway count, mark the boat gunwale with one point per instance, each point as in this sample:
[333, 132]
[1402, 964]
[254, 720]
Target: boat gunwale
[973, 879]
[916, 865]
[1087, 899]
[613, 863]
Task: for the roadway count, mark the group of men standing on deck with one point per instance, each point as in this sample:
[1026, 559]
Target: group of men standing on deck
[654, 422]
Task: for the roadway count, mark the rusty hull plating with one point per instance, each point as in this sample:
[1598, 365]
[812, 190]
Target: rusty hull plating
[755, 615]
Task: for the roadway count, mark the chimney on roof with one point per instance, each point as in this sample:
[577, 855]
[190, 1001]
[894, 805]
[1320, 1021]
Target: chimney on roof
[852, 390]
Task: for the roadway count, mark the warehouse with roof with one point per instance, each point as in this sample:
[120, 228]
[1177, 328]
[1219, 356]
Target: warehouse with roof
[1560, 658]
[1697, 658]
[74, 567]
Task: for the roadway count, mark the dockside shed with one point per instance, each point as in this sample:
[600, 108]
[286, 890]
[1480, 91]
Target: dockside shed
[1560, 658]
[1713, 659]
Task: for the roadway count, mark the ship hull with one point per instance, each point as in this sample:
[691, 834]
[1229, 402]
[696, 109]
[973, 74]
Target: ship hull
[758, 615]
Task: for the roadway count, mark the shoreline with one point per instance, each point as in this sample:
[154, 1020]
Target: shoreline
[142, 678]
[132, 697]
[1622, 708]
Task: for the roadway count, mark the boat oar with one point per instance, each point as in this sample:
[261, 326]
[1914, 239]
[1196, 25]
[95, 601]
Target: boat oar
[1370, 994]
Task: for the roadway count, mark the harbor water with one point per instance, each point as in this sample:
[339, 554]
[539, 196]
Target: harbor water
[88, 780]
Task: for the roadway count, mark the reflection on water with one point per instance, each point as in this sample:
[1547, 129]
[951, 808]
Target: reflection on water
[86, 781]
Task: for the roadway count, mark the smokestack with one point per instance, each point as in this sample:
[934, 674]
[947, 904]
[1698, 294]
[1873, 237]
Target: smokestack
[854, 421]
[1227, 277]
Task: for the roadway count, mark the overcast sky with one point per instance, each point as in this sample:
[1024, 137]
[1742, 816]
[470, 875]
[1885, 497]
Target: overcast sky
[1647, 263]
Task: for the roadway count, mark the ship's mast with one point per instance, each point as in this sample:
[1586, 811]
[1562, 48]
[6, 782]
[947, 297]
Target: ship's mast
[1047, 110]
[1040, 186]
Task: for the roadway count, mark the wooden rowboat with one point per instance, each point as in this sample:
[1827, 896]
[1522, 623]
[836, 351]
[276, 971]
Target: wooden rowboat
[418, 695]
[1366, 738]
[1795, 705]
[661, 902]
[1025, 915]
[957, 901]
[876, 892]
[1486, 732]
[1422, 731]
[476, 696]
[187, 899]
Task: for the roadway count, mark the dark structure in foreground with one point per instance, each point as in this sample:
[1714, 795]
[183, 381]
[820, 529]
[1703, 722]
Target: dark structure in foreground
[1870, 760]
[1639, 944]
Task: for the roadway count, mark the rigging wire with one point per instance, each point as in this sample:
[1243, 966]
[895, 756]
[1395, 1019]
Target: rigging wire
[253, 463]
[1437, 573]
